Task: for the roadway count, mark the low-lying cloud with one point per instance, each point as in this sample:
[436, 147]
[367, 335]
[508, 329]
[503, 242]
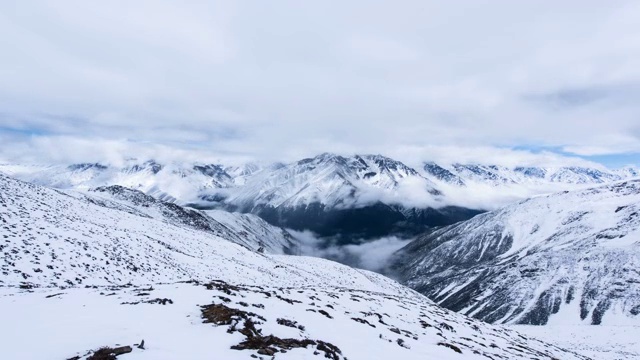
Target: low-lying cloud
[373, 255]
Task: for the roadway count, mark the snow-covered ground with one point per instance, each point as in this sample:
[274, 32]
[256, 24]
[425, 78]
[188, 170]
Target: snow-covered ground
[332, 322]
[598, 342]
[81, 272]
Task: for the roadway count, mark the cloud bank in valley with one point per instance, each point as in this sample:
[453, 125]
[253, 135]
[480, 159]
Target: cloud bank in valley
[373, 255]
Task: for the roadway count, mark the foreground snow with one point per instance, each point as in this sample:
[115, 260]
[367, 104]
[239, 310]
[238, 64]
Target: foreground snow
[598, 342]
[356, 324]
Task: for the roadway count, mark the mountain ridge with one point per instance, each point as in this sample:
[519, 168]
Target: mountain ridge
[572, 253]
[195, 179]
[360, 196]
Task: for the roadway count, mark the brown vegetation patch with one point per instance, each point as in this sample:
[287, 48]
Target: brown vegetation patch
[223, 287]
[107, 353]
[221, 314]
[452, 347]
[290, 323]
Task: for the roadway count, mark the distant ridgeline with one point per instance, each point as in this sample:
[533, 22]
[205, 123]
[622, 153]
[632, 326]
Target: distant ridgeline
[346, 197]
[352, 198]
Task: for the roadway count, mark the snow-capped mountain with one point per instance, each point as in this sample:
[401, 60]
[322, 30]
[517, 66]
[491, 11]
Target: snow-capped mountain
[241, 173]
[494, 175]
[357, 197]
[360, 196]
[331, 180]
[188, 293]
[171, 182]
[567, 258]
[328, 179]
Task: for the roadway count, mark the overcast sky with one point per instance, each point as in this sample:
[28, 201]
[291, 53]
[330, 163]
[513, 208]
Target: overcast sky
[502, 81]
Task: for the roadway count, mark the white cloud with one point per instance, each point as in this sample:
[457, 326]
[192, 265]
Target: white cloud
[69, 149]
[291, 79]
[371, 255]
[486, 155]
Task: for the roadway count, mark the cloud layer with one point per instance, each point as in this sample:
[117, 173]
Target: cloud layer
[373, 255]
[284, 80]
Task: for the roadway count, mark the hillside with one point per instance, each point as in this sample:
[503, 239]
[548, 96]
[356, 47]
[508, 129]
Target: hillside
[566, 258]
[109, 276]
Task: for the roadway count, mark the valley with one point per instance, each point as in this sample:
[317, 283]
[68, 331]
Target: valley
[115, 247]
[111, 275]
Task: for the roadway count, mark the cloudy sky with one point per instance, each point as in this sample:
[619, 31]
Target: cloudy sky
[474, 80]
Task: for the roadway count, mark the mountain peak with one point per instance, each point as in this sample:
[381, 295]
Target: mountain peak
[87, 166]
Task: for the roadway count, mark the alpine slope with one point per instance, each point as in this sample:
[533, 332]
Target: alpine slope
[106, 274]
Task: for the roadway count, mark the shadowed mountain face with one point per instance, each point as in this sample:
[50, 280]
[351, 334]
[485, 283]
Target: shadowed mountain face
[572, 255]
[372, 221]
[351, 198]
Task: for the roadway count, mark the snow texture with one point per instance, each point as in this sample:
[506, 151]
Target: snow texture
[567, 258]
[82, 271]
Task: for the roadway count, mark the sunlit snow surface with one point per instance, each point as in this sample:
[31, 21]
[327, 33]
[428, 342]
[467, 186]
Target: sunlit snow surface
[598, 342]
[362, 324]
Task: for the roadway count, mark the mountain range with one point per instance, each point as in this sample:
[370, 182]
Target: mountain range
[120, 273]
[494, 175]
[559, 258]
[352, 197]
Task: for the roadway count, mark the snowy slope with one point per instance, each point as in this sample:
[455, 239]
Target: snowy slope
[220, 320]
[244, 229]
[618, 342]
[567, 258]
[287, 307]
[54, 237]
